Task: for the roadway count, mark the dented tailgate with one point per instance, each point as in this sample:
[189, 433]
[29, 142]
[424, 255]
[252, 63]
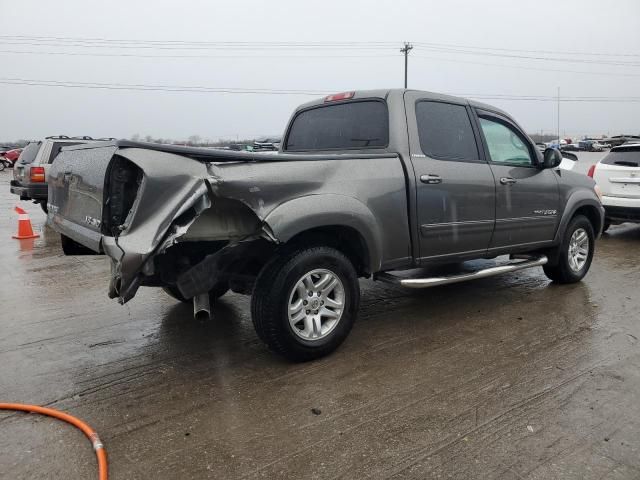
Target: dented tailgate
[76, 191]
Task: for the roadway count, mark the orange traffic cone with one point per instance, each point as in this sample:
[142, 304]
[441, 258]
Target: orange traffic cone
[24, 225]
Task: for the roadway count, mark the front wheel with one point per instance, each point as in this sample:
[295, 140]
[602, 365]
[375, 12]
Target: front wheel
[575, 252]
[305, 302]
[2, 166]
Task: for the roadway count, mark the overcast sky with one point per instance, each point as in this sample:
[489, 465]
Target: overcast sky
[539, 28]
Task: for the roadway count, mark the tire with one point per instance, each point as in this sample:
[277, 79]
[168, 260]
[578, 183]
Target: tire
[281, 283]
[565, 271]
[2, 166]
[216, 292]
[607, 224]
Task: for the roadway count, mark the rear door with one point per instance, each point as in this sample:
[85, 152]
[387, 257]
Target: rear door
[455, 188]
[527, 197]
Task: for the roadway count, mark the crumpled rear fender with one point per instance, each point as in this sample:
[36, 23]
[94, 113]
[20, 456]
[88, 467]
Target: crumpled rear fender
[177, 185]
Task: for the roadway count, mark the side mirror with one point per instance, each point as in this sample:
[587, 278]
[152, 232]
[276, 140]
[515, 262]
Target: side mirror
[551, 158]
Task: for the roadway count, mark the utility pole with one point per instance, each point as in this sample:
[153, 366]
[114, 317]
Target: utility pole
[407, 48]
[558, 118]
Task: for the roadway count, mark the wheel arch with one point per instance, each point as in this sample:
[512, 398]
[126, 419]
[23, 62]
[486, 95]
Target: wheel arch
[581, 203]
[335, 220]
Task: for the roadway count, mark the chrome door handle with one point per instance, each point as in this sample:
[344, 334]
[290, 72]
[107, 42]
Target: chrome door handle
[507, 181]
[431, 179]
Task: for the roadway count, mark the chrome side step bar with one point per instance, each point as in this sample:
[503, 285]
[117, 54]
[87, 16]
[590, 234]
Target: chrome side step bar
[446, 280]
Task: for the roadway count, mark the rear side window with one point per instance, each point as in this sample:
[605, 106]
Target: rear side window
[353, 125]
[55, 149]
[445, 131]
[29, 153]
[623, 158]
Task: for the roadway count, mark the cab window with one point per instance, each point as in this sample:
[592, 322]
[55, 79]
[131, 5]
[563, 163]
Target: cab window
[505, 144]
[351, 125]
[445, 131]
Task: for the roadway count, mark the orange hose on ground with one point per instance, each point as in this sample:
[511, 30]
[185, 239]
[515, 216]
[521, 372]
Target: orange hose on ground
[90, 433]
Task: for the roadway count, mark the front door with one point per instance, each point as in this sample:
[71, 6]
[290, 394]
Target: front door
[527, 196]
[455, 189]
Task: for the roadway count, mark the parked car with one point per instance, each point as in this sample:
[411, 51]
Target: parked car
[618, 140]
[541, 146]
[568, 161]
[618, 176]
[571, 147]
[366, 184]
[30, 170]
[241, 147]
[267, 144]
[590, 146]
[9, 157]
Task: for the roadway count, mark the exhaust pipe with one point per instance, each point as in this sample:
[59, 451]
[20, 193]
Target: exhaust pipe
[201, 307]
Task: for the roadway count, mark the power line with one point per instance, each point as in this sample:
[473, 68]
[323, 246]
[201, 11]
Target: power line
[531, 57]
[135, 55]
[103, 42]
[263, 91]
[199, 42]
[551, 52]
[164, 88]
[198, 46]
[311, 57]
[521, 67]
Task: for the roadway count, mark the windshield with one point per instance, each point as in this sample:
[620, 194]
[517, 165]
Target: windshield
[624, 158]
[29, 153]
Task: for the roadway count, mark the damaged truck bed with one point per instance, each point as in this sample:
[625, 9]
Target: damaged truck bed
[213, 206]
[357, 190]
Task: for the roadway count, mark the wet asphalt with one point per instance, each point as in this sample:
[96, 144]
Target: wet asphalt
[509, 377]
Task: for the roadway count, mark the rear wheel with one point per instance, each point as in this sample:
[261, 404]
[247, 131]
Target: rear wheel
[575, 252]
[305, 302]
[216, 292]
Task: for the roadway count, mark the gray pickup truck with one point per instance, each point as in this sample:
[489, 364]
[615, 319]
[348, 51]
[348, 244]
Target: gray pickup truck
[366, 184]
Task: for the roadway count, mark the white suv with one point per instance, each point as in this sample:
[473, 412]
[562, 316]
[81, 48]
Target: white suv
[618, 176]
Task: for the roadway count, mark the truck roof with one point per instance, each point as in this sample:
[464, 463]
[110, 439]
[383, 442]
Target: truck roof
[385, 93]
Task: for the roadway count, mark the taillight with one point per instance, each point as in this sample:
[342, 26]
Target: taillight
[592, 170]
[339, 96]
[37, 174]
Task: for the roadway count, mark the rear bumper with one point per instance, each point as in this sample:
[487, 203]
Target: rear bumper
[622, 209]
[29, 191]
[622, 214]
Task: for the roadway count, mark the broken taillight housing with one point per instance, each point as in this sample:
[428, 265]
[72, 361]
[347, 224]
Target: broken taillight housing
[123, 181]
